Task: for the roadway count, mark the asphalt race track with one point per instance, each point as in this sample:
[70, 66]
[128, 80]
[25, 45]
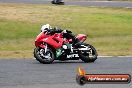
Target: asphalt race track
[81, 3]
[28, 73]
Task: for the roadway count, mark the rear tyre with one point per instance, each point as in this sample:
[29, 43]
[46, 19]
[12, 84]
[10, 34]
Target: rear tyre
[89, 56]
[42, 57]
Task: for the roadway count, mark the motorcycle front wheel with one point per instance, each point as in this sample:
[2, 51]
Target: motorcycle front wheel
[42, 57]
[90, 55]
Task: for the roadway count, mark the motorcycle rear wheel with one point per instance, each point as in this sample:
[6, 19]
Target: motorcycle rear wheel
[41, 57]
[86, 57]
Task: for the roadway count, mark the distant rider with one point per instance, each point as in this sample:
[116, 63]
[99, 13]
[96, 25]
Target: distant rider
[57, 1]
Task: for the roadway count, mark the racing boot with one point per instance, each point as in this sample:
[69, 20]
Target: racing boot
[77, 43]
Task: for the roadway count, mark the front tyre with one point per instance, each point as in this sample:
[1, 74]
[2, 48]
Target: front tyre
[90, 55]
[42, 57]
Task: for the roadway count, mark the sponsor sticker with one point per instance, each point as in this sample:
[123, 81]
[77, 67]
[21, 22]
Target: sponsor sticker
[72, 55]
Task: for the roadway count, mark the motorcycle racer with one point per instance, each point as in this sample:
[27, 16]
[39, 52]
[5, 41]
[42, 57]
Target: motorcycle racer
[66, 33]
[57, 44]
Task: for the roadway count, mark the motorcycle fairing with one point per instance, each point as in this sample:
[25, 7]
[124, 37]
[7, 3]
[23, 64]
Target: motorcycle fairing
[39, 40]
[82, 37]
[55, 40]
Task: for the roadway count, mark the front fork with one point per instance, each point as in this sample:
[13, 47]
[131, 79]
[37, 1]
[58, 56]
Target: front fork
[45, 47]
[44, 51]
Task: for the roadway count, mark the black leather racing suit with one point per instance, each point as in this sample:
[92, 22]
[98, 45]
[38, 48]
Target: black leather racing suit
[67, 35]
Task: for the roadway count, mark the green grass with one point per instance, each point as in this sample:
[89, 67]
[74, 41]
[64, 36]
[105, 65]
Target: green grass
[109, 29]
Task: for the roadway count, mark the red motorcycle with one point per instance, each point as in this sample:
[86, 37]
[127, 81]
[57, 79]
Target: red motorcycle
[56, 47]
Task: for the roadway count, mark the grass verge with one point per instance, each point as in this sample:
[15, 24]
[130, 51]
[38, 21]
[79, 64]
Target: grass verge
[109, 29]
